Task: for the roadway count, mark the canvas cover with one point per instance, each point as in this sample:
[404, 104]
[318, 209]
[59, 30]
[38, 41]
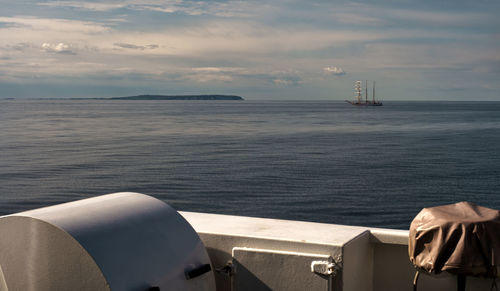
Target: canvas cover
[461, 238]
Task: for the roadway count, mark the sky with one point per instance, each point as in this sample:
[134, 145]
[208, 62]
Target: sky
[260, 50]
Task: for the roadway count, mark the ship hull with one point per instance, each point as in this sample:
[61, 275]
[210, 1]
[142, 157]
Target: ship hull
[364, 103]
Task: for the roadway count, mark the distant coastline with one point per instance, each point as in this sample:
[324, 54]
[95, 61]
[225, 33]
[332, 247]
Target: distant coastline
[146, 97]
[179, 97]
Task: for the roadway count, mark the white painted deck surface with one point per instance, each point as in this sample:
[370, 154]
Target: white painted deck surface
[371, 259]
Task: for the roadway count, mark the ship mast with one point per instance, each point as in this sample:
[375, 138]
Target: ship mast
[357, 89]
[373, 95]
[366, 91]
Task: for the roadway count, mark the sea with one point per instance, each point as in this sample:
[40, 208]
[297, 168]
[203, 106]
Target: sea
[320, 161]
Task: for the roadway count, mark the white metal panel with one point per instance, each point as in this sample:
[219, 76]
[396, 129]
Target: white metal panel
[37, 256]
[260, 269]
[3, 284]
[134, 240]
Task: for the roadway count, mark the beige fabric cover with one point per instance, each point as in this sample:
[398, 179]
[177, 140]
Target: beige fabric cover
[460, 238]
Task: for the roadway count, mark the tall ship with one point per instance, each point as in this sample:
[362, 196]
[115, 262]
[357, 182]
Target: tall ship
[359, 95]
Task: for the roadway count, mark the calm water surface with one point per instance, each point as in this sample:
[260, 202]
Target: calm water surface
[315, 161]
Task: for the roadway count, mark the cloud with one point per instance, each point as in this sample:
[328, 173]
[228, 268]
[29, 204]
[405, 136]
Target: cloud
[21, 46]
[93, 6]
[60, 48]
[436, 18]
[337, 71]
[217, 74]
[193, 8]
[5, 24]
[205, 78]
[21, 23]
[218, 70]
[236, 75]
[286, 78]
[136, 47]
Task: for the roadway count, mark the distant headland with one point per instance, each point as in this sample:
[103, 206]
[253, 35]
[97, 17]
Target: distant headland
[179, 97]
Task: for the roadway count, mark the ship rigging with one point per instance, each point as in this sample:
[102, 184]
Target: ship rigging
[359, 96]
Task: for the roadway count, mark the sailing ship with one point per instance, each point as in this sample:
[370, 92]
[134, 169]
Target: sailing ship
[359, 96]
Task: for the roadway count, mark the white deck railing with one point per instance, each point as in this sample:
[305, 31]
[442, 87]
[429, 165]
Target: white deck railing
[272, 254]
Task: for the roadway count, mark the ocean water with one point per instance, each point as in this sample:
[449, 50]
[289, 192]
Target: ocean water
[313, 161]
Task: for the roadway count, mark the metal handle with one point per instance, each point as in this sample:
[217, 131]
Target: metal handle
[198, 271]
